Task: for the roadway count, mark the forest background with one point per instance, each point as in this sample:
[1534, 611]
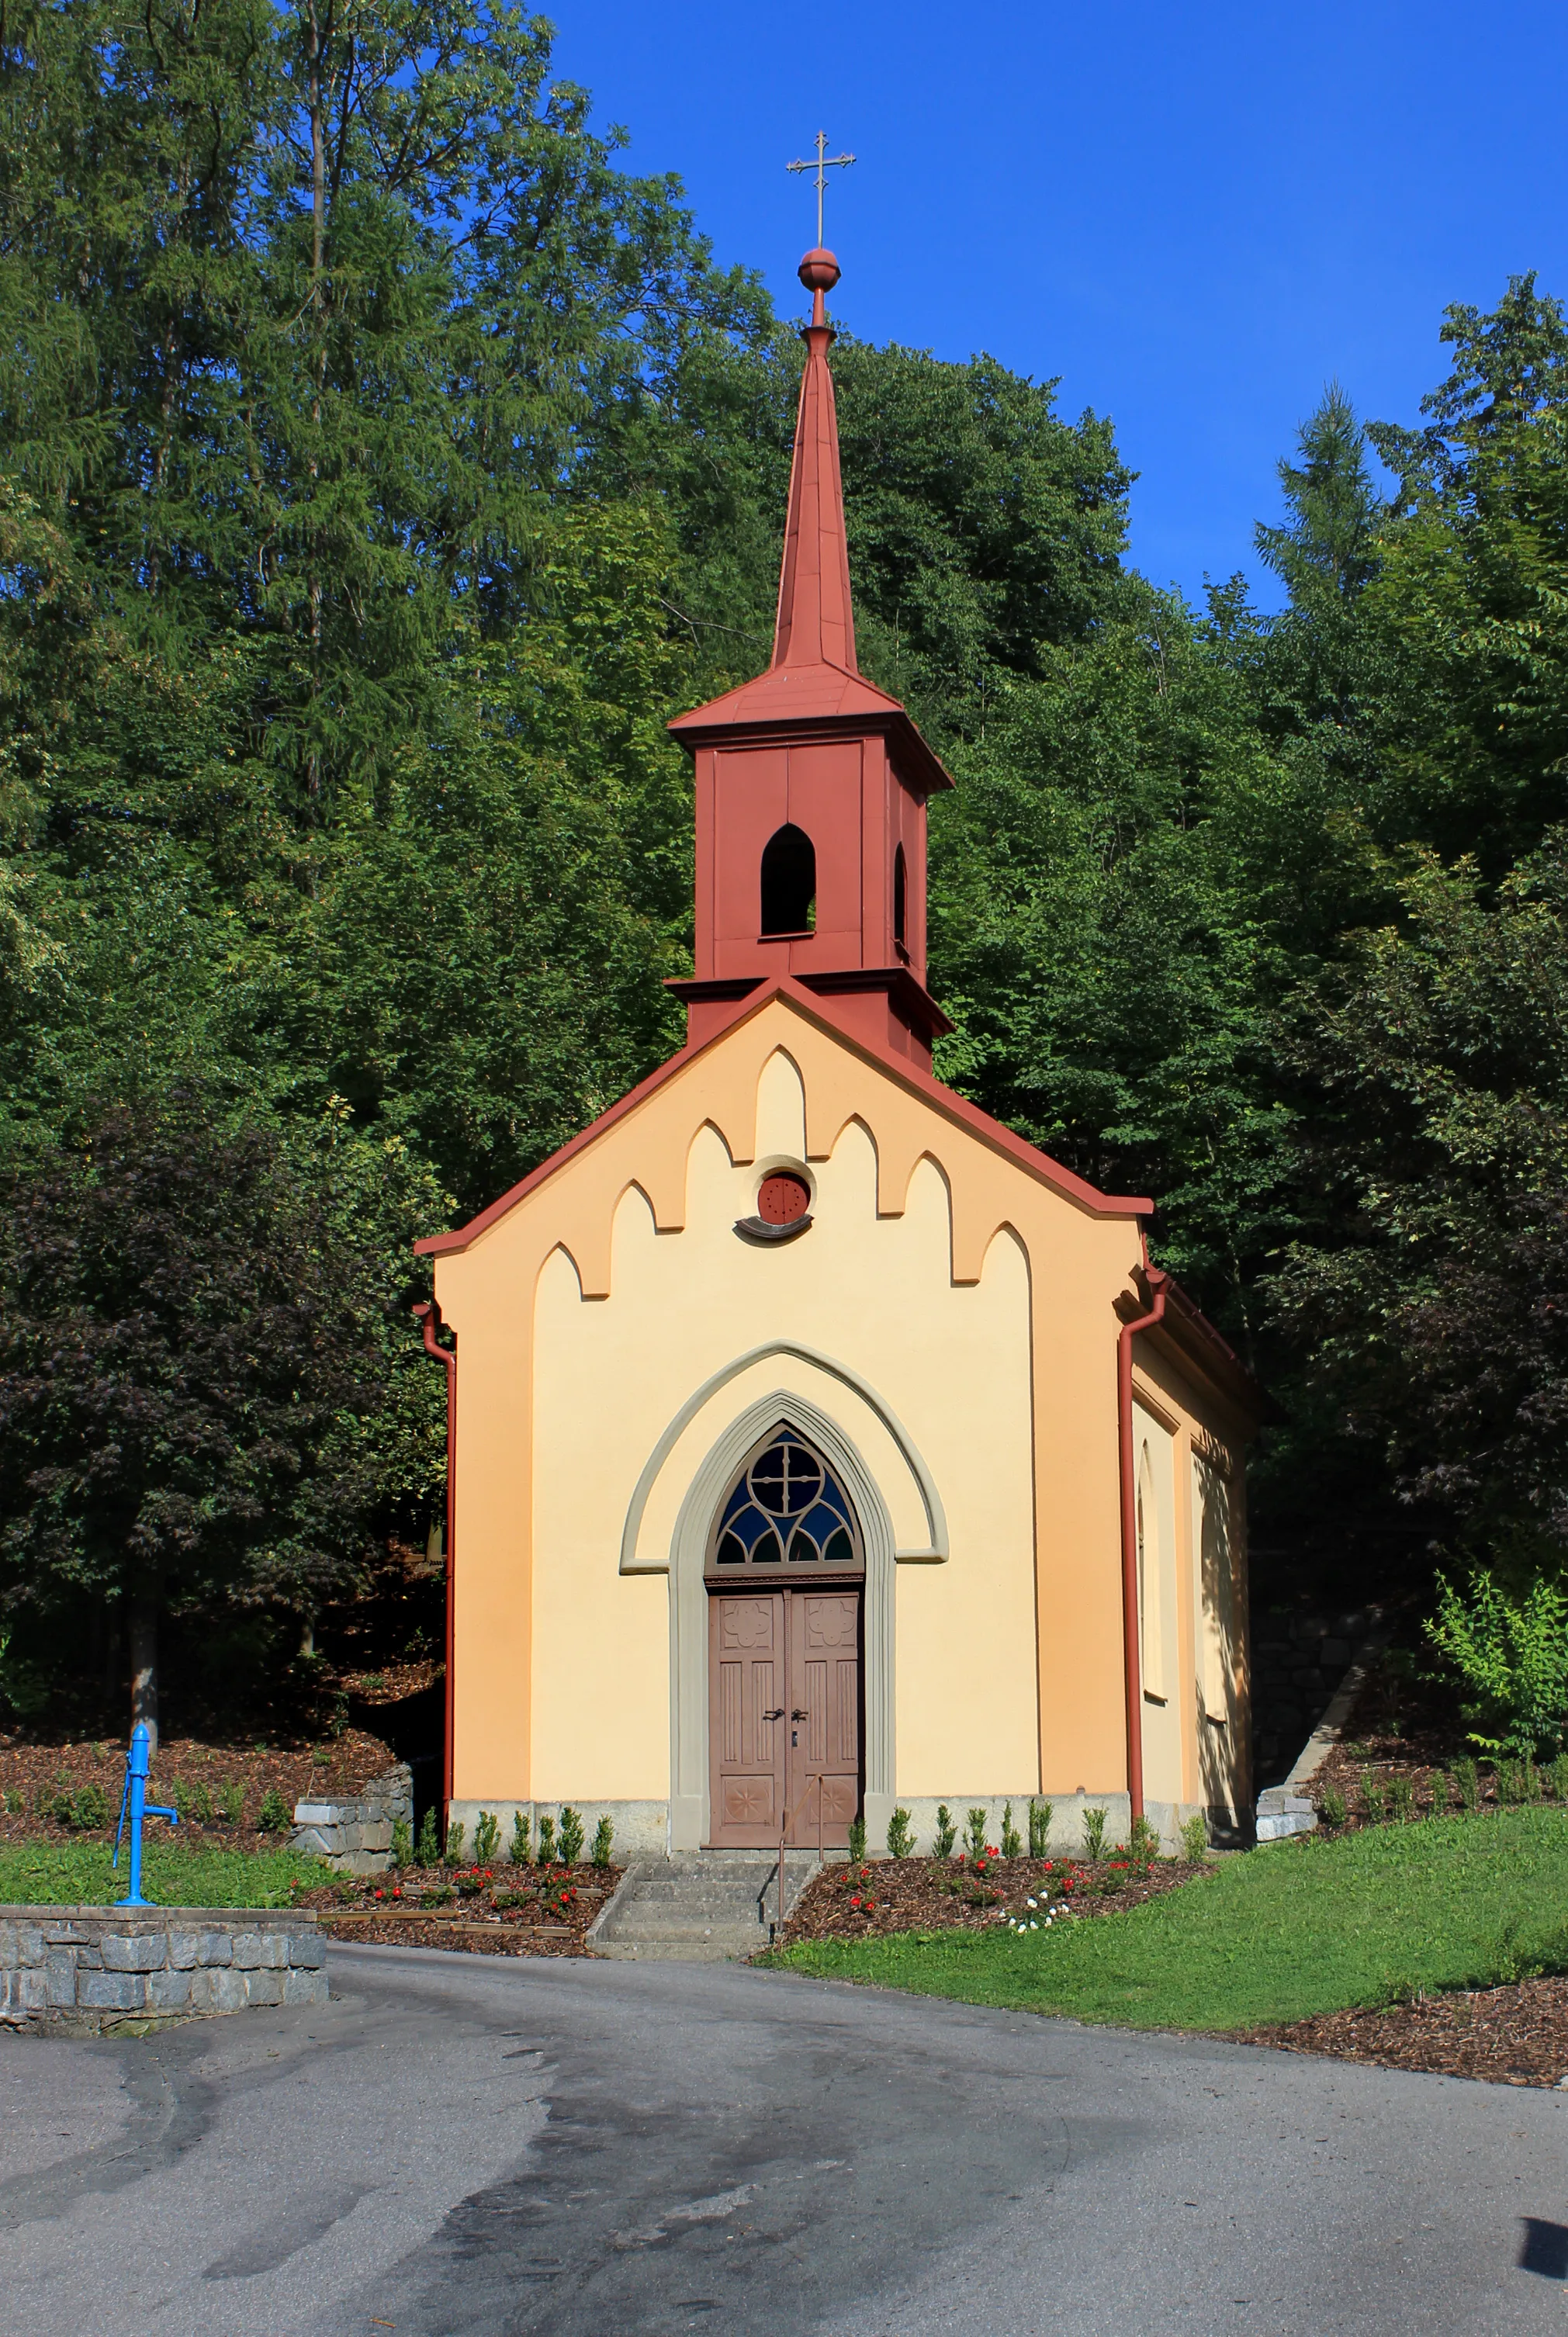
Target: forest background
[381, 467]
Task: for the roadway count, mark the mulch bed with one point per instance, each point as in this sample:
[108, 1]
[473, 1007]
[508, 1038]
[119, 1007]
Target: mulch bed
[938, 1894]
[543, 1910]
[37, 1779]
[1512, 2036]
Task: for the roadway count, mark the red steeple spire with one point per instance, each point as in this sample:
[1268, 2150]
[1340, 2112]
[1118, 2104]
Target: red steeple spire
[815, 621]
[811, 783]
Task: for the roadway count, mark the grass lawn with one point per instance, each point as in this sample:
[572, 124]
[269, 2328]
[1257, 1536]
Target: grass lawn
[1296, 1928]
[79, 1874]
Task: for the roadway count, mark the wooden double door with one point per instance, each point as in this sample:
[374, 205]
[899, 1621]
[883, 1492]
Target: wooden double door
[784, 1695]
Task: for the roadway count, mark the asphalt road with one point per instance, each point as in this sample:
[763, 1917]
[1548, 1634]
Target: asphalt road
[465, 2147]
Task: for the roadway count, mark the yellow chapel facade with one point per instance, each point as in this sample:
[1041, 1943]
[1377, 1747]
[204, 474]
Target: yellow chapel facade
[820, 1448]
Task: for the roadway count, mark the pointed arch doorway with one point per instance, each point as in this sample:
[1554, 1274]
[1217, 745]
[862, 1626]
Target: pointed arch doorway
[785, 1577]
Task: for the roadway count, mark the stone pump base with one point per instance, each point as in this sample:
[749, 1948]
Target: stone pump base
[104, 1967]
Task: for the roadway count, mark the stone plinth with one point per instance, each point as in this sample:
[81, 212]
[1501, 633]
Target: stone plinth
[107, 1967]
[356, 1837]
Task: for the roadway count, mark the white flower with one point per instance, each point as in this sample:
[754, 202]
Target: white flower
[1034, 1927]
[1030, 1902]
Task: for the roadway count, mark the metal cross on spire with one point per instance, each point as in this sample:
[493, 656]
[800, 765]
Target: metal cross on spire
[822, 165]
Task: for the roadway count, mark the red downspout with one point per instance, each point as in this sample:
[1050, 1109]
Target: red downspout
[1155, 1281]
[429, 1315]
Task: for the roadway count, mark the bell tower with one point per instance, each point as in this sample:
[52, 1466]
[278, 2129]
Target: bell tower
[812, 784]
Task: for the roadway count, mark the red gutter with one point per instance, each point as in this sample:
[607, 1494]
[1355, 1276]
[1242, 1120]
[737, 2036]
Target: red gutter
[1157, 1284]
[429, 1315]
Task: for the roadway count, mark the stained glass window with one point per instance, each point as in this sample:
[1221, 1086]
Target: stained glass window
[786, 1509]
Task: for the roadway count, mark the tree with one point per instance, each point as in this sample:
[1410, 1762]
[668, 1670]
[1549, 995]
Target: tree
[190, 1354]
[1430, 1302]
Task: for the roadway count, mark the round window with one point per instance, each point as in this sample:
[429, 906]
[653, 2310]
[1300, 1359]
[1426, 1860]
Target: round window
[783, 1197]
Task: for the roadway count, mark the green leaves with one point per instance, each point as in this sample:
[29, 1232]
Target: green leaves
[1511, 1656]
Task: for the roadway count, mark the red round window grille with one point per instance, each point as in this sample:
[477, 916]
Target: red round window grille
[783, 1199]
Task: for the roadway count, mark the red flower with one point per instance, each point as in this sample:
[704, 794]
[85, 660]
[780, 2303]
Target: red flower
[380, 1894]
[854, 1902]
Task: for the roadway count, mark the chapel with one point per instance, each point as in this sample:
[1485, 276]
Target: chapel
[817, 1448]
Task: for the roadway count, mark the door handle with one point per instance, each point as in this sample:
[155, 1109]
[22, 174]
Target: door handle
[774, 1715]
[801, 1715]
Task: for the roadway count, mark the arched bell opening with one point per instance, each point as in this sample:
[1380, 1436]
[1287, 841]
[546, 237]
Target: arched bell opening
[789, 882]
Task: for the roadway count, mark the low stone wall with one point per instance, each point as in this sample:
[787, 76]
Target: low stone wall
[103, 1967]
[356, 1837]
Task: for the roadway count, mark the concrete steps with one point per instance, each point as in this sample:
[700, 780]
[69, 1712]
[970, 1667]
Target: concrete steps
[704, 1906]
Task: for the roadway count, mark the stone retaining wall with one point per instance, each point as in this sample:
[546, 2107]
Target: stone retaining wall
[102, 1967]
[356, 1837]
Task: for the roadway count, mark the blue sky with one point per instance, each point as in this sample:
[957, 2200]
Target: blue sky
[1194, 215]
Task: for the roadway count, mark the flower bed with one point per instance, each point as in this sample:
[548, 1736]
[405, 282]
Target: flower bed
[492, 1910]
[988, 1892]
[230, 1796]
[1514, 2036]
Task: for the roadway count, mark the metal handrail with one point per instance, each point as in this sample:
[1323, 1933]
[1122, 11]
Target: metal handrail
[816, 1778]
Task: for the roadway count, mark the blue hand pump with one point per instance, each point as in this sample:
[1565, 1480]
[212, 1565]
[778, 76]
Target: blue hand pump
[138, 1761]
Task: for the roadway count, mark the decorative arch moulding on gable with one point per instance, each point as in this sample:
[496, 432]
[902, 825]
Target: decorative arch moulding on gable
[935, 1550]
[820, 1108]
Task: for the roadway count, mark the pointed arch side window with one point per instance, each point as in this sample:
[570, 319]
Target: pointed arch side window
[789, 881]
[900, 899]
[785, 1510]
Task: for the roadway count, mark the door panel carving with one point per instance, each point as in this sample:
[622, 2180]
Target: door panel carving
[746, 1737]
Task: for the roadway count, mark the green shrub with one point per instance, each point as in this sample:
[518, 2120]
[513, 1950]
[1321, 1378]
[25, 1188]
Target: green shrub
[274, 1816]
[430, 1839]
[1373, 1797]
[522, 1838]
[231, 1802]
[1557, 1778]
[1510, 1659]
[946, 1833]
[1464, 1781]
[603, 1835]
[571, 1836]
[1518, 1782]
[91, 1806]
[486, 1838]
[974, 1833]
[1039, 1828]
[858, 1842]
[1143, 1840]
[439, 1894]
[546, 1841]
[1095, 1834]
[452, 1848]
[15, 1803]
[1401, 1799]
[900, 1834]
[1195, 1837]
[1331, 1809]
[1012, 1842]
[402, 1844]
